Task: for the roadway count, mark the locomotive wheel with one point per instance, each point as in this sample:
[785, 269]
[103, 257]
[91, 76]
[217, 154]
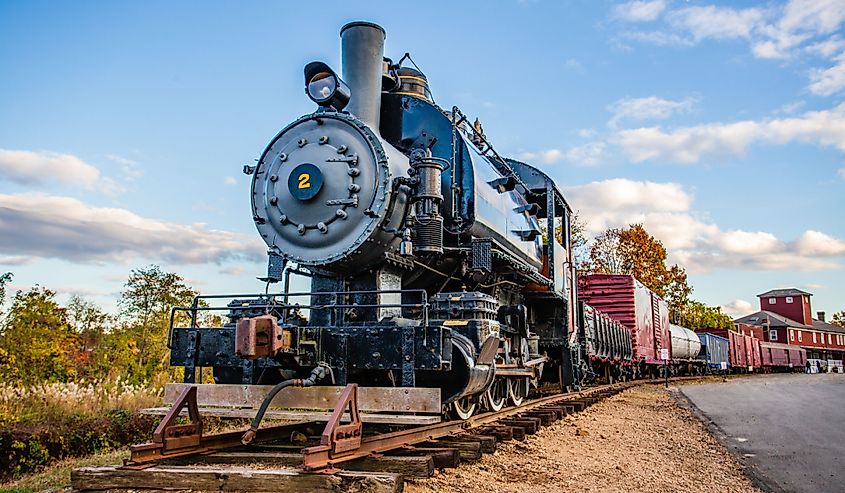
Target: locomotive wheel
[497, 395]
[517, 390]
[463, 408]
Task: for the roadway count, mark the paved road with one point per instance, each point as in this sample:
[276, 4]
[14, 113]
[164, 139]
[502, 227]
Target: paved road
[788, 428]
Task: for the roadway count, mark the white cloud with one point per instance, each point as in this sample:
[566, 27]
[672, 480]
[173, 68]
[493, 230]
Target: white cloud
[549, 156]
[786, 31]
[590, 154]
[47, 168]
[749, 243]
[230, 180]
[828, 81]
[15, 260]
[665, 210]
[586, 133]
[688, 144]
[716, 22]
[651, 107]
[815, 243]
[841, 172]
[790, 108]
[738, 308]
[639, 10]
[131, 169]
[48, 226]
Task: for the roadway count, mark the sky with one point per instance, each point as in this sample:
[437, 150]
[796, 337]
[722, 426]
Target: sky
[719, 125]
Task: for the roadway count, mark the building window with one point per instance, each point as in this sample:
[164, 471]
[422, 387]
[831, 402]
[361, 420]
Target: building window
[791, 335]
[800, 335]
[789, 299]
[773, 335]
[814, 338]
[772, 301]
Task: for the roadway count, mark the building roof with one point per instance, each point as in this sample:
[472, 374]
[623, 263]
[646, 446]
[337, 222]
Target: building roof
[826, 327]
[777, 293]
[774, 320]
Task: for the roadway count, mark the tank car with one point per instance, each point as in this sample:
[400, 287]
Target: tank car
[425, 249]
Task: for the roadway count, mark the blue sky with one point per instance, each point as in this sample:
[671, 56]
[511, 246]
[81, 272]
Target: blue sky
[720, 125]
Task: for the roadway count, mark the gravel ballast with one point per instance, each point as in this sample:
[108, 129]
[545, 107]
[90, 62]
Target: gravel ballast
[638, 440]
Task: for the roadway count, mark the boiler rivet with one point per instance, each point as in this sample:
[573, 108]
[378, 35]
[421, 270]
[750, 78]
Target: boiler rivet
[323, 139]
[341, 149]
[322, 228]
[302, 142]
[283, 157]
[341, 214]
[274, 178]
[274, 201]
[353, 187]
[353, 172]
[283, 219]
[301, 229]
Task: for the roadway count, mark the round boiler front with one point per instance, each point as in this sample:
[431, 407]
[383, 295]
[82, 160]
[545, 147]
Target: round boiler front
[321, 189]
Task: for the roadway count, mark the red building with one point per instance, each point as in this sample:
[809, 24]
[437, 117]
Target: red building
[785, 316]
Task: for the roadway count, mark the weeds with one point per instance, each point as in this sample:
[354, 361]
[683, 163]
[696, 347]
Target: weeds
[59, 402]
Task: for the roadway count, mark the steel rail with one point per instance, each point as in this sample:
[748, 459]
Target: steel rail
[321, 457]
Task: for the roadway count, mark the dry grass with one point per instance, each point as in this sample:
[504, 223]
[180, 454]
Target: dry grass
[52, 402]
[57, 476]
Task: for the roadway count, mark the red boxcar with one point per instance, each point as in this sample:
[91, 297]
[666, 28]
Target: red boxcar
[636, 307]
[744, 349]
[774, 355]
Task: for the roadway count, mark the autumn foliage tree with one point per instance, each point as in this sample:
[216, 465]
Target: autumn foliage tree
[145, 303]
[635, 252]
[37, 342]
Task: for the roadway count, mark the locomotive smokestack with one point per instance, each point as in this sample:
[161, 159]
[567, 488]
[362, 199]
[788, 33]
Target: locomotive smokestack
[362, 55]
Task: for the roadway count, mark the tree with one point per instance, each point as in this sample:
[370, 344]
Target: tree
[578, 234]
[88, 321]
[37, 343]
[4, 280]
[145, 303]
[633, 251]
[838, 319]
[697, 315]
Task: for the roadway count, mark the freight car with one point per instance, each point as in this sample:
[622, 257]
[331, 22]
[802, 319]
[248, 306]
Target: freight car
[782, 357]
[606, 345]
[714, 352]
[685, 349]
[640, 310]
[744, 350]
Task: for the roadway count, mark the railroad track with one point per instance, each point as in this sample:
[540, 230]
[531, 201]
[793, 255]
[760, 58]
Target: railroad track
[295, 457]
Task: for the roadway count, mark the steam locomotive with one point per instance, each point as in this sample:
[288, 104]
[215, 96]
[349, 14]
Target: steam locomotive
[433, 260]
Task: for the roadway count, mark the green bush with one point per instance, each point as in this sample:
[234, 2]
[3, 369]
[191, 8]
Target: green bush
[27, 448]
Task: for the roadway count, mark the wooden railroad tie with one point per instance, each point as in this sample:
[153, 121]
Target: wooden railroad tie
[527, 424]
[442, 457]
[502, 433]
[421, 466]
[231, 478]
[467, 450]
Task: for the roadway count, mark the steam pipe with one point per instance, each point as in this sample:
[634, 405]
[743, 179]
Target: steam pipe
[362, 56]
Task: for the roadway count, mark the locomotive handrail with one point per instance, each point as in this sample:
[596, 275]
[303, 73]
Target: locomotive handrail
[510, 171]
[333, 305]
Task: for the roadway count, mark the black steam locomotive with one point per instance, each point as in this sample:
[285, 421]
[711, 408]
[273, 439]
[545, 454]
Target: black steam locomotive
[433, 260]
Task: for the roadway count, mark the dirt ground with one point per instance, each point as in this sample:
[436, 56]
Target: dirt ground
[639, 440]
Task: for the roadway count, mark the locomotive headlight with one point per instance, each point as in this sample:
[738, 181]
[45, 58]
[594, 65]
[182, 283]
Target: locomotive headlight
[324, 87]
